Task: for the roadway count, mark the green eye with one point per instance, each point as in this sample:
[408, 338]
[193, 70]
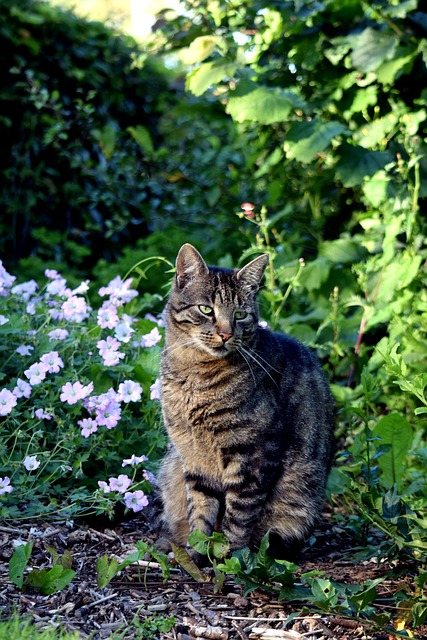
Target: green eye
[207, 311]
[240, 314]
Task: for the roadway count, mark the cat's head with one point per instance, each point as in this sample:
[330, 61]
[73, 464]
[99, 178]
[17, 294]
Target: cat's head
[214, 309]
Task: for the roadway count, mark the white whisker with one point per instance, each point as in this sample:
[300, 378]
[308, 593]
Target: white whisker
[258, 362]
[239, 350]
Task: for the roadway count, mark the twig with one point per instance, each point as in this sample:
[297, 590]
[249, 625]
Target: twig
[93, 604]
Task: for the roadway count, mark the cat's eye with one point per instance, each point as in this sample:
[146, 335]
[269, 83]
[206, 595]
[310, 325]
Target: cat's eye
[240, 314]
[207, 311]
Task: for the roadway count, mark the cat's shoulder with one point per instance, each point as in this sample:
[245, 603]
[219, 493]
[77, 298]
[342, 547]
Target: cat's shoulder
[282, 345]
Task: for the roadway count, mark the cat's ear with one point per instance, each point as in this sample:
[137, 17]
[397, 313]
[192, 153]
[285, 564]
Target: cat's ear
[189, 265]
[251, 274]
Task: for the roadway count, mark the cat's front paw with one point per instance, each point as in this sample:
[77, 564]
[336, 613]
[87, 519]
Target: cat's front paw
[198, 558]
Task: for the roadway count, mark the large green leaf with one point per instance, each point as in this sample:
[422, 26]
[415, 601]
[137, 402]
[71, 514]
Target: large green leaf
[355, 164]
[376, 132]
[201, 48]
[18, 563]
[342, 251]
[306, 139]
[394, 430]
[371, 48]
[208, 74]
[264, 105]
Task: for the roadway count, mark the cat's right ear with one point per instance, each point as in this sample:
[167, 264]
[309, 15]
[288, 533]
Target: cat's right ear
[189, 265]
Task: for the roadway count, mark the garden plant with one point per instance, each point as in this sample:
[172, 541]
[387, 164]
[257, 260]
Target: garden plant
[289, 128]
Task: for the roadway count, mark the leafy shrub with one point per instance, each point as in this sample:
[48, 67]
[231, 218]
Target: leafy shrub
[79, 117]
[79, 397]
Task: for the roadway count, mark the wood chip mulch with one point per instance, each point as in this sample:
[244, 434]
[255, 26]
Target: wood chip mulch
[139, 594]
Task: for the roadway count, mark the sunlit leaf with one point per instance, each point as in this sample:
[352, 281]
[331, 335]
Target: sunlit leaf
[262, 104]
[208, 74]
[371, 48]
[201, 48]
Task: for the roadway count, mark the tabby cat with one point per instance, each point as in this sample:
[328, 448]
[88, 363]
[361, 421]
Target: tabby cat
[248, 412]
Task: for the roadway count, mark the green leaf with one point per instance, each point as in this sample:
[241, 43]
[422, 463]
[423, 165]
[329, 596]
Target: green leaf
[264, 105]
[342, 251]
[391, 70]
[230, 566]
[371, 48]
[208, 74]
[395, 430]
[307, 139]
[142, 137]
[106, 570]
[315, 273]
[355, 164]
[183, 558]
[367, 595]
[18, 563]
[201, 48]
[375, 132]
[50, 580]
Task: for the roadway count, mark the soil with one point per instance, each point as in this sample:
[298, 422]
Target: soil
[139, 594]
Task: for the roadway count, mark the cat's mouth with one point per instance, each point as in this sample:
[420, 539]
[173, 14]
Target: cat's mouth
[219, 350]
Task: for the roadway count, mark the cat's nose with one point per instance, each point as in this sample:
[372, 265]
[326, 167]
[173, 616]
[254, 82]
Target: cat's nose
[224, 336]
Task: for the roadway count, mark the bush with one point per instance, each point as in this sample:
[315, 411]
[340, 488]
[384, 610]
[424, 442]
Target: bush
[79, 397]
[79, 117]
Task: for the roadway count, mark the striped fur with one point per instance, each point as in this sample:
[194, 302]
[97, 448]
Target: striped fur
[248, 412]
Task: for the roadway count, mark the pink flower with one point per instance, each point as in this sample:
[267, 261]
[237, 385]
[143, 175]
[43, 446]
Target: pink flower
[119, 291]
[129, 391]
[25, 290]
[57, 334]
[75, 309]
[134, 460]
[72, 393]
[24, 350]
[36, 373]
[7, 402]
[123, 332]
[120, 484]
[107, 316]
[88, 426]
[155, 390]
[104, 486]
[6, 280]
[108, 351]
[107, 346]
[136, 500]
[57, 287]
[109, 415]
[5, 486]
[41, 415]
[31, 463]
[52, 361]
[152, 338]
[82, 288]
[22, 389]
[150, 477]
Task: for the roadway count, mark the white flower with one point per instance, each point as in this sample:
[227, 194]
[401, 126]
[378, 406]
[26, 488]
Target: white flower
[31, 463]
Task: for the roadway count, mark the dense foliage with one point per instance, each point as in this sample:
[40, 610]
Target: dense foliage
[312, 115]
[78, 119]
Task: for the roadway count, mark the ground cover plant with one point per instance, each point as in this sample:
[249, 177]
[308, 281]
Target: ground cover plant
[71, 374]
[261, 155]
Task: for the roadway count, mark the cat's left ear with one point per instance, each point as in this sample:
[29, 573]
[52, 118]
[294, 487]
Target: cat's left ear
[251, 274]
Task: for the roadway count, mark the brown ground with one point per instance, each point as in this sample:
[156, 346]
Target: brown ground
[139, 593]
